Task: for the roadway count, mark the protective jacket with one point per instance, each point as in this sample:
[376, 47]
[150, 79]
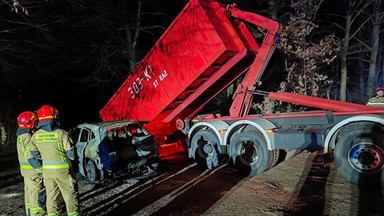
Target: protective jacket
[33, 181]
[53, 147]
[23, 138]
[56, 150]
[376, 101]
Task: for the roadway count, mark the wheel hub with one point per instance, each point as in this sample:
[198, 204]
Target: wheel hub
[208, 149]
[366, 158]
[248, 152]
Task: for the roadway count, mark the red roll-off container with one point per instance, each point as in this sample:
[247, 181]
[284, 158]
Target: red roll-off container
[200, 54]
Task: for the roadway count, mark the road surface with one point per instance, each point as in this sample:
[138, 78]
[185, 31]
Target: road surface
[302, 185]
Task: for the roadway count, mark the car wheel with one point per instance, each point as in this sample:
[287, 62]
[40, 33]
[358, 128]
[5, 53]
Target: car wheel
[91, 170]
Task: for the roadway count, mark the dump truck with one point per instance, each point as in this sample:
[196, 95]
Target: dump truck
[211, 46]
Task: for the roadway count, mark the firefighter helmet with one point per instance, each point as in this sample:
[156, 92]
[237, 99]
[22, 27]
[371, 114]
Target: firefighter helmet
[380, 88]
[27, 120]
[47, 112]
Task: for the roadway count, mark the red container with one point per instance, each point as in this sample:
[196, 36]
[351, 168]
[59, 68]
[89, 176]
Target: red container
[200, 54]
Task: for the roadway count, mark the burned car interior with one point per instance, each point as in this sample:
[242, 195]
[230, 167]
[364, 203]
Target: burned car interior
[109, 149]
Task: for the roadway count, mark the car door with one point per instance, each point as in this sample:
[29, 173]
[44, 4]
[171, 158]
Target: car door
[81, 143]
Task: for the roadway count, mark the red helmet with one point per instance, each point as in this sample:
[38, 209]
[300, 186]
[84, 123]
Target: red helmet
[27, 120]
[380, 88]
[47, 112]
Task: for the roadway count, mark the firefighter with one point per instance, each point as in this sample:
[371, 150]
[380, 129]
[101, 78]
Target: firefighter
[33, 180]
[3, 134]
[56, 149]
[378, 100]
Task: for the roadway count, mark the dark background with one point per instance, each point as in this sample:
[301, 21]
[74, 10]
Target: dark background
[72, 55]
[75, 55]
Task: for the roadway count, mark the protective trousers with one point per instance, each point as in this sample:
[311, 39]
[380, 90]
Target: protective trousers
[33, 185]
[69, 193]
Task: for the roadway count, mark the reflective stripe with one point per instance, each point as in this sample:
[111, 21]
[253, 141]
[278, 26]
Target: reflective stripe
[45, 117]
[62, 151]
[19, 140]
[56, 213]
[25, 166]
[55, 165]
[373, 103]
[27, 210]
[36, 210]
[24, 149]
[39, 170]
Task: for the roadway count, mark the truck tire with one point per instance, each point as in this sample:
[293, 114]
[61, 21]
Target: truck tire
[359, 157]
[205, 146]
[91, 171]
[273, 156]
[249, 153]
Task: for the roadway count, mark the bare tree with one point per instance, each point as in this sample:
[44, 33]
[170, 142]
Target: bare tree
[56, 45]
[376, 20]
[120, 34]
[361, 41]
[354, 9]
[308, 54]
[98, 41]
[15, 6]
[17, 51]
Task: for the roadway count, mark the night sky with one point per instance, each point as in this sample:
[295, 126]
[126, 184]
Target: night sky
[50, 64]
[45, 58]
[74, 107]
[60, 43]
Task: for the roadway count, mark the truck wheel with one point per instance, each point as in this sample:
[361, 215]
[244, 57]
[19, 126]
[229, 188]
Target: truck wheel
[273, 156]
[91, 170]
[205, 145]
[359, 157]
[249, 153]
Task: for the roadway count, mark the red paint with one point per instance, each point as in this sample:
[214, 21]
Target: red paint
[198, 56]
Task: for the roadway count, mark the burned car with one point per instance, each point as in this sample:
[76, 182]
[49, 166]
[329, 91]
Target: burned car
[115, 148]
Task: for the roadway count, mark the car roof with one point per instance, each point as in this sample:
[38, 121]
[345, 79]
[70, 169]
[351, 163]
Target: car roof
[107, 124]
